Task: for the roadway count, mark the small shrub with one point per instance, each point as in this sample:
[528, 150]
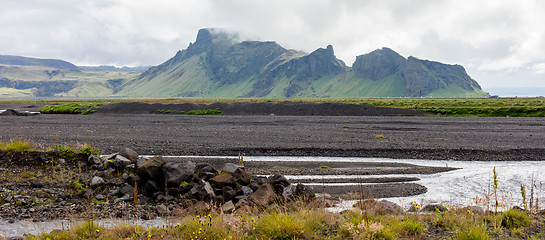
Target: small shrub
[62, 148]
[412, 227]
[474, 232]
[18, 144]
[75, 186]
[380, 136]
[511, 219]
[88, 150]
[280, 226]
[69, 109]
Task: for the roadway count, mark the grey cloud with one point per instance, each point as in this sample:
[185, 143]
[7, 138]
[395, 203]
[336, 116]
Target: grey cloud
[488, 37]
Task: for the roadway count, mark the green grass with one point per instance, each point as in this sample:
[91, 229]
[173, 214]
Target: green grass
[73, 108]
[17, 144]
[488, 107]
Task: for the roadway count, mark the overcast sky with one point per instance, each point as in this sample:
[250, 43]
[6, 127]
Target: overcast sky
[500, 43]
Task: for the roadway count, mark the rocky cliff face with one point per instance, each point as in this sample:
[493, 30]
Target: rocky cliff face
[421, 77]
[378, 64]
[217, 65]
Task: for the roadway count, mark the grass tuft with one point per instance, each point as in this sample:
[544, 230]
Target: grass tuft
[17, 144]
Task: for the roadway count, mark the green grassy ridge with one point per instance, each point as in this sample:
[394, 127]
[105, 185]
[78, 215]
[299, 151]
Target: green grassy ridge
[513, 107]
[73, 108]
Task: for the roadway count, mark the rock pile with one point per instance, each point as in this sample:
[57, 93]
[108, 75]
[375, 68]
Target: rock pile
[157, 180]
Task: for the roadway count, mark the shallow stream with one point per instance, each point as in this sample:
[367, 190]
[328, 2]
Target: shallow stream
[469, 185]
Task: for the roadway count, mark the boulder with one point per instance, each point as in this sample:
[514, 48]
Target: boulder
[230, 167]
[245, 191]
[304, 192]
[278, 179]
[205, 167]
[222, 180]
[129, 154]
[288, 192]
[264, 196]
[152, 186]
[94, 160]
[205, 176]
[161, 209]
[121, 162]
[97, 181]
[206, 192]
[152, 168]
[127, 189]
[177, 172]
[108, 157]
[228, 193]
[242, 177]
[228, 207]
[434, 208]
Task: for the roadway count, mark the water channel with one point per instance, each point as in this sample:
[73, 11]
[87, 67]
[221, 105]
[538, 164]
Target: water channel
[469, 185]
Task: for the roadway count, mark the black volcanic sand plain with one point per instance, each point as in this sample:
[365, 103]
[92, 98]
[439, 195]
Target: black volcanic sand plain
[293, 129]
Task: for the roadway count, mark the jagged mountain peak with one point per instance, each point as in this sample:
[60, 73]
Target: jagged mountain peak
[219, 64]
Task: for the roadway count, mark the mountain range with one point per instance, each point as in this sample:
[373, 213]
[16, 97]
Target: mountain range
[219, 65]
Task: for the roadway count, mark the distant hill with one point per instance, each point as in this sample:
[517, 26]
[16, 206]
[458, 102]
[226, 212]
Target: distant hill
[31, 77]
[26, 61]
[217, 65]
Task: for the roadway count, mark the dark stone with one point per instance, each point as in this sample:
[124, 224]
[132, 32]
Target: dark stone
[177, 172]
[242, 177]
[304, 192]
[264, 196]
[205, 167]
[94, 160]
[127, 189]
[278, 179]
[152, 168]
[434, 208]
[205, 176]
[259, 180]
[152, 186]
[185, 188]
[129, 154]
[246, 191]
[222, 180]
[254, 186]
[42, 159]
[36, 184]
[230, 167]
[206, 192]
[121, 162]
[228, 193]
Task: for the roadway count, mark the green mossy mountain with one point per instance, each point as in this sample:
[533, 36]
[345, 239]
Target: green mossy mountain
[217, 65]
